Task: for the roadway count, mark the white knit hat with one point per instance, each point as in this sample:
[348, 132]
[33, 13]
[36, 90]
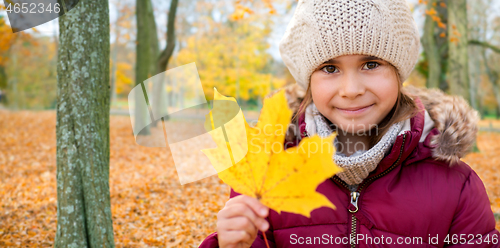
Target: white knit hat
[321, 30]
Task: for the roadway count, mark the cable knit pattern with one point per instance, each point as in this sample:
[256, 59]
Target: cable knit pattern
[361, 163]
[325, 29]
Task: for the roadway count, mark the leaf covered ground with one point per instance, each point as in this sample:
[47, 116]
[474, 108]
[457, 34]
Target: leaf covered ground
[150, 208]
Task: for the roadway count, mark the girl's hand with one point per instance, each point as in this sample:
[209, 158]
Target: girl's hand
[239, 222]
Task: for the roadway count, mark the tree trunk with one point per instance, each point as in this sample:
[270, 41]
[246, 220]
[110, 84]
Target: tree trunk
[493, 78]
[458, 69]
[155, 48]
[13, 84]
[169, 49]
[82, 129]
[474, 75]
[3, 78]
[113, 74]
[155, 52]
[480, 107]
[143, 58]
[431, 50]
[163, 59]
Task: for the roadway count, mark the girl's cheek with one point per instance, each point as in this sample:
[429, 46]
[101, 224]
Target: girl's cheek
[322, 100]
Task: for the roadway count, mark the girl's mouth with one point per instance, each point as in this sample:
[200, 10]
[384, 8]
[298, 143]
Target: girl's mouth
[355, 111]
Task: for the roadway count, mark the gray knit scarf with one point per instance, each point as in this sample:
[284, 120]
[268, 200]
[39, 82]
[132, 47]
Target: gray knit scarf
[361, 163]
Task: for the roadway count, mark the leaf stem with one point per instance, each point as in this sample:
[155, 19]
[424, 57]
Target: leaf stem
[265, 239]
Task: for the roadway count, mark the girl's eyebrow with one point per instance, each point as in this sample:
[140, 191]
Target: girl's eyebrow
[369, 58]
[363, 59]
[331, 61]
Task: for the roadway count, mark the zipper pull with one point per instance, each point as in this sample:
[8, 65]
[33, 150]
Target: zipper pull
[354, 201]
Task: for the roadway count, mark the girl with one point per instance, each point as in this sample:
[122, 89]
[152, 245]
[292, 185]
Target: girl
[403, 183]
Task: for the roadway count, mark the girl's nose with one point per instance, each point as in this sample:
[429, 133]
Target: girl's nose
[351, 86]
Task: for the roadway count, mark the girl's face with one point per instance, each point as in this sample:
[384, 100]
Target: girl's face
[355, 92]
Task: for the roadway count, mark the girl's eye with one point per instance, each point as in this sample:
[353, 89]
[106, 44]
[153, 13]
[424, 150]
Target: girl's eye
[329, 69]
[371, 65]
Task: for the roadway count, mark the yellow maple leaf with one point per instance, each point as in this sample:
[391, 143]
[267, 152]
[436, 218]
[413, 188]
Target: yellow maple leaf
[226, 124]
[283, 180]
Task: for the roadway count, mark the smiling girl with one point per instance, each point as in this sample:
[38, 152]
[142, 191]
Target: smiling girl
[403, 183]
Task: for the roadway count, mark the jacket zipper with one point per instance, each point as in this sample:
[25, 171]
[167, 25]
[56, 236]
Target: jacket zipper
[354, 201]
[355, 194]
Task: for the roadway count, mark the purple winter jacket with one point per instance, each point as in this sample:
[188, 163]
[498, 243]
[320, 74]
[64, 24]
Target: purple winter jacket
[420, 194]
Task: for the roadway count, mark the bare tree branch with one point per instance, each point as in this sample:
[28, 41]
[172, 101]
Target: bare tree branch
[169, 50]
[485, 44]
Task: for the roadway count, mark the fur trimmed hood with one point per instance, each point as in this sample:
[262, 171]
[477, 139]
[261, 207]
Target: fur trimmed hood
[453, 117]
[445, 200]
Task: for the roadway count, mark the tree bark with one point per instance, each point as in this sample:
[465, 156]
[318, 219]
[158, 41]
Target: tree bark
[493, 78]
[143, 58]
[169, 49]
[458, 69]
[431, 50]
[475, 74]
[3, 78]
[155, 48]
[155, 52]
[163, 59]
[82, 128]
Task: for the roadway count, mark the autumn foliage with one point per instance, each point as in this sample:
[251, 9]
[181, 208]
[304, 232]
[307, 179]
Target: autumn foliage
[150, 208]
[7, 40]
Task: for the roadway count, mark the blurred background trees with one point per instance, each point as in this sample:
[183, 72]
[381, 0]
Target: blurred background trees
[235, 47]
[460, 41]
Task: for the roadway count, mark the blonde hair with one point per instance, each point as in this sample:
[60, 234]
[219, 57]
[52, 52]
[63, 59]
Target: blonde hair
[404, 108]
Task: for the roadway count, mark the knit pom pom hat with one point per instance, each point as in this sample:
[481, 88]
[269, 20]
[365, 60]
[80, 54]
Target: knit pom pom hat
[321, 30]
